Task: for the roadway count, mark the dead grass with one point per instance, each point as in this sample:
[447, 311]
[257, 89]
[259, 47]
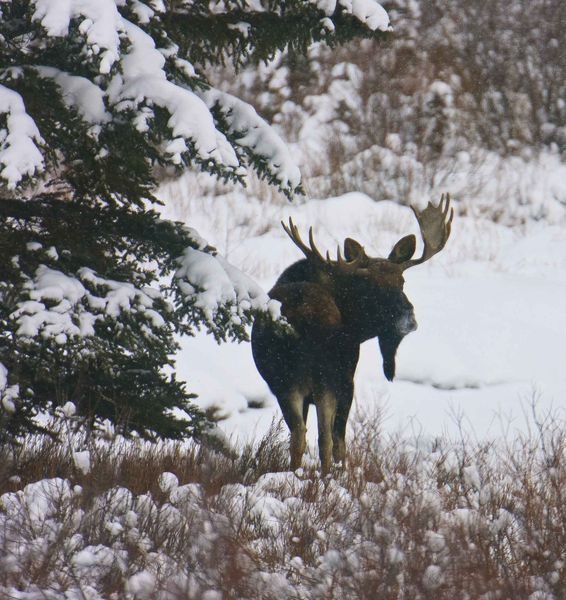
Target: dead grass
[407, 518]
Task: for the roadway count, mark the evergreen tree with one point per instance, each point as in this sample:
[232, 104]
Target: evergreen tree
[94, 285]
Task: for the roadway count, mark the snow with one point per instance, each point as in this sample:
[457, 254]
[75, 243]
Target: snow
[79, 93]
[3, 377]
[435, 541]
[490, 339]
[8, 393]
[69, 409]
[82, 461]
[145, 81]
[432, 578]
[133, 75]
[97, 557]
[327, 6]
[258, 135]
[369, 12]
[60, 306]
[121, 296]
[211, 281]
[442, 89]
[41, 499]
[34, 316]
[491, 327]
[54, 285]
[472, 477]
[168, 482]
[131, 72]
[19, 142]
[183, 544]
[141, 585]
[100, 25]
[54, 16]
[143, 12]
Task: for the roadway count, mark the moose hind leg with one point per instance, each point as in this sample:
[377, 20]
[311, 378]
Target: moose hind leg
[339, 440]
[292, 408]
[326, 413]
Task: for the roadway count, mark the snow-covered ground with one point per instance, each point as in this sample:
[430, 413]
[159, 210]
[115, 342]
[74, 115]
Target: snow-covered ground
[490, 308]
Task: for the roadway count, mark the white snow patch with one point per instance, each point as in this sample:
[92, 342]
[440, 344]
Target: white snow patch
[369, 12]
[20, 155]
[60, 306]
[141, 584]
[212, 281]
[82, 461]
[258, 136]
[80, 93]
[101, 24]
[69, 410]
[144, 81]
[168, 482]
[433, 578]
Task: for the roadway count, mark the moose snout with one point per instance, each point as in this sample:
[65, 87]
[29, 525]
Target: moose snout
[406, 324]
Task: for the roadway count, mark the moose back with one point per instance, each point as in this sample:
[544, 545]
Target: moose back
[333, 306]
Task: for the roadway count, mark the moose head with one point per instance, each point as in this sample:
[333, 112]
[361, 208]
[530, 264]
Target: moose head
[333, 305]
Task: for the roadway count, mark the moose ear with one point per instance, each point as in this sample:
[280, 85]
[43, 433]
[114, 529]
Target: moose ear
[403, 249]
[353, 249]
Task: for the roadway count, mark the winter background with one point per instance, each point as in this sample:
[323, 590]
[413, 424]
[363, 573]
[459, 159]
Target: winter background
[444, 109]
[492, 325]
[483, 377]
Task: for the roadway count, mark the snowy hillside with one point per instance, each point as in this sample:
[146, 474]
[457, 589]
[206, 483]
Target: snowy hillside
[491, 322]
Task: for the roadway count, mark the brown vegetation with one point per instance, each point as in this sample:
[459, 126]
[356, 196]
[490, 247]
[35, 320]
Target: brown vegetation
[405, 519]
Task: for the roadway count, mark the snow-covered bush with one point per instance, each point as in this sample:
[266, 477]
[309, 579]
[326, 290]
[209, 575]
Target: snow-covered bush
[409, 518]
[461, 84]
[96, 98]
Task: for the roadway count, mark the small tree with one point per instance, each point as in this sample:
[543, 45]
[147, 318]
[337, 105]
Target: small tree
[94, 285]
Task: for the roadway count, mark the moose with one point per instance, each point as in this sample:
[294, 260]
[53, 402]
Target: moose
[332, 306]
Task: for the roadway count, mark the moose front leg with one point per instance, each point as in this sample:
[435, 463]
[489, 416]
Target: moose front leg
[325, 402]
[344, 402]
[292, 405]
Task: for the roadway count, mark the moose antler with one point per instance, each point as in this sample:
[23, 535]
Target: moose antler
[313, 253]
[435, 223]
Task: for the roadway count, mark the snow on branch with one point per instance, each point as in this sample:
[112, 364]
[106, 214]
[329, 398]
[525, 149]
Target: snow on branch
[8, 393]
[145, 13]
[128, 71]
[144, 82]
[217, 290]
[100, 25]
[80, 93]
[256, 136]
[369, 12]
[19, 140]
[60, 306]
[60, 320]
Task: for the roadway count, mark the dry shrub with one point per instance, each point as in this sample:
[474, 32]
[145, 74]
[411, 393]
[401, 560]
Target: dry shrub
[406, 518]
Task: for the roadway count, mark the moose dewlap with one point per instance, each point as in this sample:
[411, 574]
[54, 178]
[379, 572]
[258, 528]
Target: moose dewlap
[333, 306]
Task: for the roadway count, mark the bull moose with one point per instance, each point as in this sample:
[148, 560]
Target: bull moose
[333, 306]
